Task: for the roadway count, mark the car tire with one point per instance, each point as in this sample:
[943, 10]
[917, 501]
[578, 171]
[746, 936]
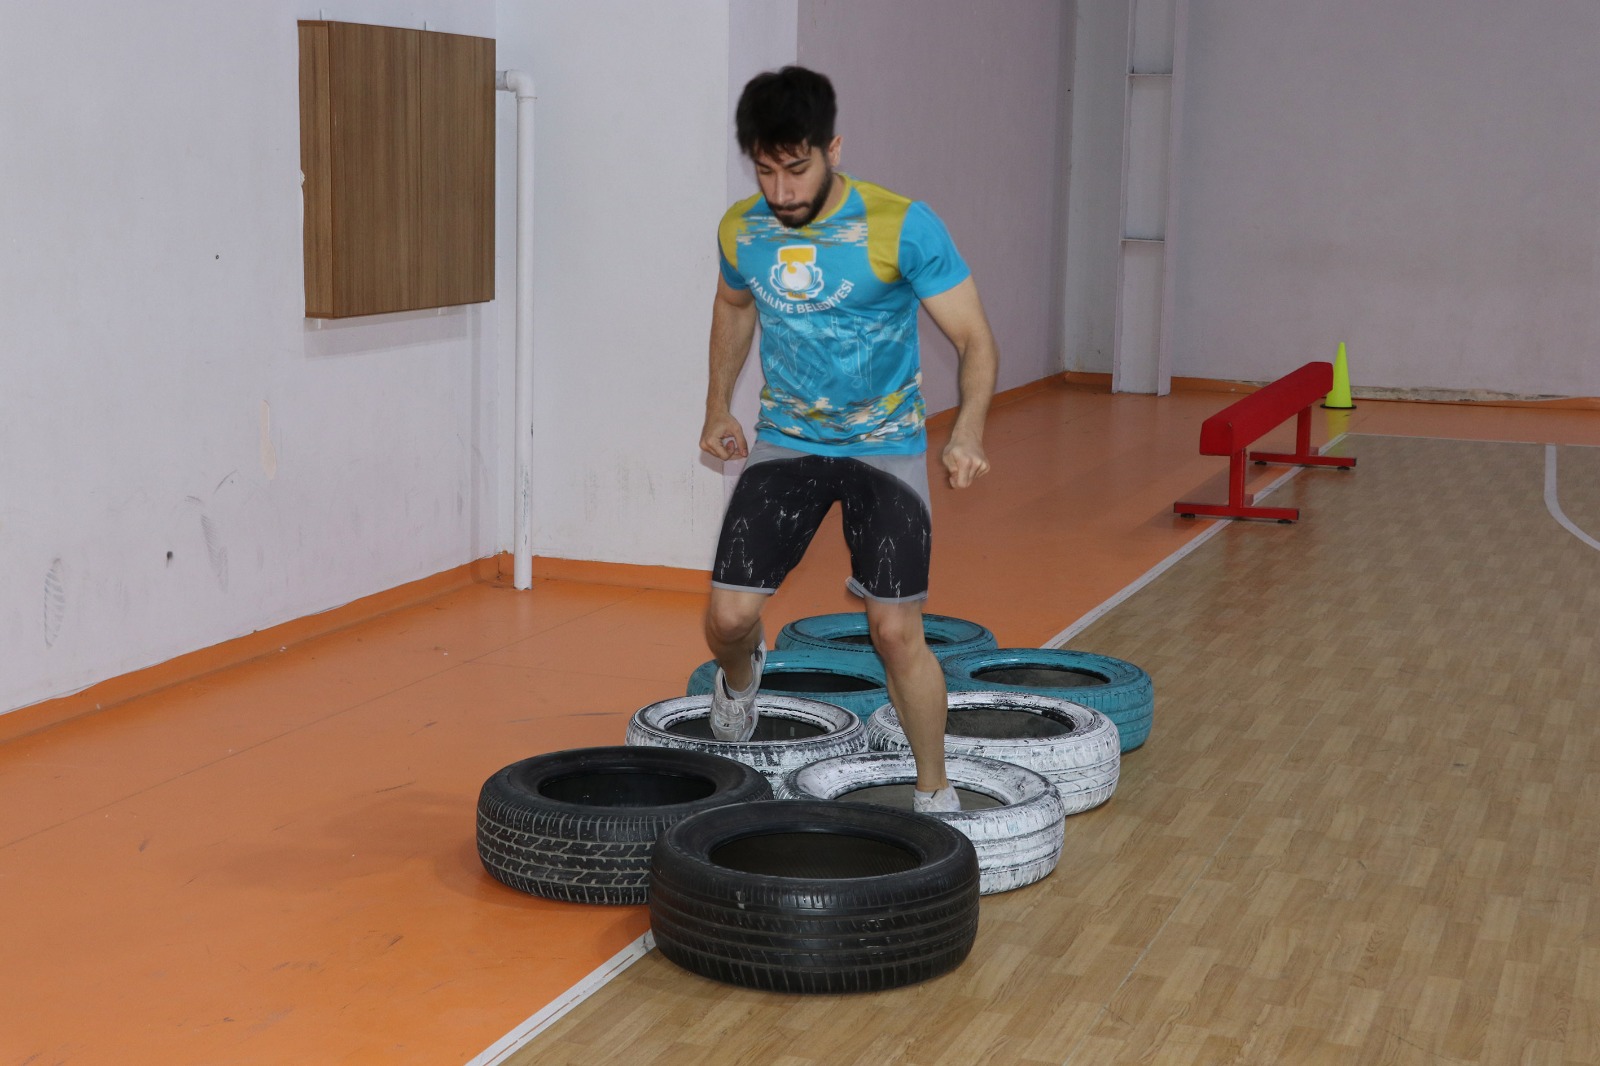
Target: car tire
[1076, 748]
[579, 825]
[845, 679]
[1017, 834]
[848, 633]
[1117, 689]
[814, 897]
[790, 732]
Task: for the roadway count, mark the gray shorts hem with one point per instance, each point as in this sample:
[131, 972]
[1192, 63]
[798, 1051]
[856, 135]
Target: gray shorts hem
[855, 588]
[742, 588]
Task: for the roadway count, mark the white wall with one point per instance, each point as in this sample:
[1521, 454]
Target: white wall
[963, 105]
[1419, 178]
[763, 35]
[183, 457]
[632, 178]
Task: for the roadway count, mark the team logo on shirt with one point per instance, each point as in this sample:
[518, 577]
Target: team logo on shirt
[796, 274]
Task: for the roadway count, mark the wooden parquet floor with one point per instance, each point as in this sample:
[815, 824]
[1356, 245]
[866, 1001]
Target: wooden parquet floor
[1363, 830]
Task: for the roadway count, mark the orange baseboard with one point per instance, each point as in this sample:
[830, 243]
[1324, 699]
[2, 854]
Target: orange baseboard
[667, 578]
[186, 667]
[1556, 403]
[1054, 381]
[1085, 379]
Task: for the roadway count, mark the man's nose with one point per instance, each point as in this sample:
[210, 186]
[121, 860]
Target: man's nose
[783, 188]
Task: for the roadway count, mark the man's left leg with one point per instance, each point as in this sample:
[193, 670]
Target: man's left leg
[916, 684]
[888, 525]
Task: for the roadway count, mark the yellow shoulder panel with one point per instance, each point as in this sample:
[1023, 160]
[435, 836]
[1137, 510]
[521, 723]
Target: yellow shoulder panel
[732, 225]
[886, 214]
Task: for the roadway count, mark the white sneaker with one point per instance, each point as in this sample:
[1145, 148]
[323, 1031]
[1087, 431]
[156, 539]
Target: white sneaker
[734, 714]
[944, 801]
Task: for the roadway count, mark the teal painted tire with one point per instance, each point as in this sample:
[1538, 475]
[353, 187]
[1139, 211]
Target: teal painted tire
[1117, 689]
[845, 679]
[847, 633]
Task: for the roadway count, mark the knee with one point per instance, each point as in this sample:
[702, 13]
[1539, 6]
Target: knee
[730, 622]
[899, 638]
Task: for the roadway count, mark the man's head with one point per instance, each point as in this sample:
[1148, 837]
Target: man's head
[784, 123]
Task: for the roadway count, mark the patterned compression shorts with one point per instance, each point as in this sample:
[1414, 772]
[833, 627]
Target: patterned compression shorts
[782, 497]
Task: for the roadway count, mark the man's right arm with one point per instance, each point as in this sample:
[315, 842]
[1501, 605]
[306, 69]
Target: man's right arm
[733, 326]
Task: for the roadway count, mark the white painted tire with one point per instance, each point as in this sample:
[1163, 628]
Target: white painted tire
[1083, 761]
[1018, 842]
[791, 732]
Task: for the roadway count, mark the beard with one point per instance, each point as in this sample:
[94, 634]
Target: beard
[795, 216]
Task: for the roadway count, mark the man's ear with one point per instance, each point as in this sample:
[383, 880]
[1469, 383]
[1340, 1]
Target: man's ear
[832, 151]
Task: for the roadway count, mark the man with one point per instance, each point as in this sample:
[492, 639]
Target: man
[834, 268]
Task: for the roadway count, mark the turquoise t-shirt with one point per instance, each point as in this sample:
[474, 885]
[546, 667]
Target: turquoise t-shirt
[838, 303]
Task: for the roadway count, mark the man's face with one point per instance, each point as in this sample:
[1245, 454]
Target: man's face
[797, 183]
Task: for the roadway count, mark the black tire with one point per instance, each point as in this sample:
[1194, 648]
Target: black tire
[814, 896]
[790, 732]
[1116, 688]
[845, 679]
[848, 632]
[579, 825]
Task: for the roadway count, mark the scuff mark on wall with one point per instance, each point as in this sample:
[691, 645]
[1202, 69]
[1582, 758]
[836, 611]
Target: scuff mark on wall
[269, 455]
[55, 602]
[216, 549]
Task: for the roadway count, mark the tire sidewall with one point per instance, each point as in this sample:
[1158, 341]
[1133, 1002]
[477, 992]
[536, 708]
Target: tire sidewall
[1017, 843]
[860, 702]
[845, 733]
[1084, 765]
[1127, 695]
[519, 784]
[684, 851]
[958, 636]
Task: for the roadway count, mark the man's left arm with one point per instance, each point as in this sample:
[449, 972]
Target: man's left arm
[959, 313]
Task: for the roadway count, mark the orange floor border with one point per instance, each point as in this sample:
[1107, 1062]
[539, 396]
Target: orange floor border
[628, 575]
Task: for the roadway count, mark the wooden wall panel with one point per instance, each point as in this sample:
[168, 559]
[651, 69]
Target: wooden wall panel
[373, 89]
[457, 179]
[316, 163]
[397, 144]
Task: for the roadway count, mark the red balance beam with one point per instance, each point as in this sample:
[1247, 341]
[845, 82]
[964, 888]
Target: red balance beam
[1233, 429]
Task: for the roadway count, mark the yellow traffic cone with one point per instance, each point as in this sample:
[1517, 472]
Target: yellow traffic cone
[1339, 398]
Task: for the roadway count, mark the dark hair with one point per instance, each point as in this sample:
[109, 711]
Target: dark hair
[791, 109]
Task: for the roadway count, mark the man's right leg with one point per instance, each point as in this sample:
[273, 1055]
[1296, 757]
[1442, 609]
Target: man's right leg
[733, 633]
[772, 515]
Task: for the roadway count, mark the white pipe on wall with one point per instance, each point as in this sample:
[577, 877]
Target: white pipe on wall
[516, 81]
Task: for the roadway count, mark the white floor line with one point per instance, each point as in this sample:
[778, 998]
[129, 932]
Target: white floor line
[515, 1040]
[1553, 504]
[1217, 526]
